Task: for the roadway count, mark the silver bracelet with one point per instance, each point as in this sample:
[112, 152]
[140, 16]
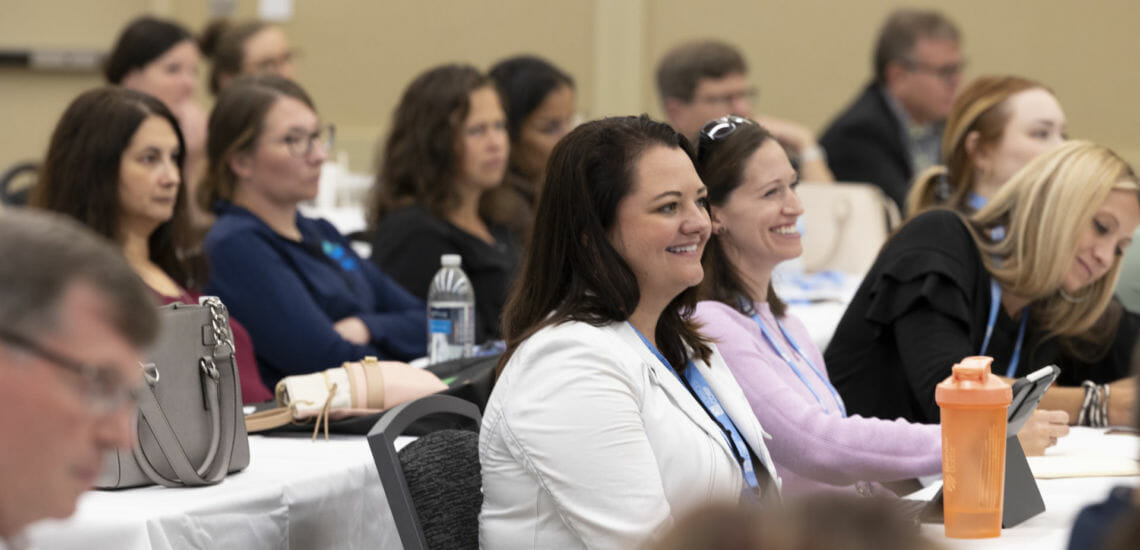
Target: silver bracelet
[1094, 407]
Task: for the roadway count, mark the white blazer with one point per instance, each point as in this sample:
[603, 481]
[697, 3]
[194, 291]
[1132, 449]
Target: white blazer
[588, 441]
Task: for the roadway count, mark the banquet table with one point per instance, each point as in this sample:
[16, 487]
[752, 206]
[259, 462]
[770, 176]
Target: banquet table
[296, 493]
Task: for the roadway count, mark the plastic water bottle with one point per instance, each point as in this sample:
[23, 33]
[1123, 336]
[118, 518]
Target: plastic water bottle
[451, 312]
[974, 404]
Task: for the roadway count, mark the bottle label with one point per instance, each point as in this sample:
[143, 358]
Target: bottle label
[450, 331]
[439, 326]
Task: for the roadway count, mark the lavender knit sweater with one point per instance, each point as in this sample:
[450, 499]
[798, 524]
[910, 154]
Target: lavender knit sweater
[813, 450]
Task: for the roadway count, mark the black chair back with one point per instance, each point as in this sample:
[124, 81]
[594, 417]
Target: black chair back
[433, 485]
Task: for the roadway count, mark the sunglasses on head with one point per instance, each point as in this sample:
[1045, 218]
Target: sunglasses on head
[719, 129]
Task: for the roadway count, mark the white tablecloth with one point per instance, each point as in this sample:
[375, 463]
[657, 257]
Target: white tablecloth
[327, 494]
[1063, 497]
[294, 494]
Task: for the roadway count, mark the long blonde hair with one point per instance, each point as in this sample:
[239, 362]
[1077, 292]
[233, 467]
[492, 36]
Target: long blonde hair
[1044, 208]
[982, 107]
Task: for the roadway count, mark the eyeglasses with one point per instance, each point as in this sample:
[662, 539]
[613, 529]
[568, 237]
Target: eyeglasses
[301, 145]
[274, 64]
[945, 72]
[728, 99]
[103, 390]
[716, 130]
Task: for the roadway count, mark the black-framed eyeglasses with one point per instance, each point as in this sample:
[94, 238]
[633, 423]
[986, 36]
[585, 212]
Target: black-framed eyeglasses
[718, 129]
[945, 72]
[102, 389]
[301, 145]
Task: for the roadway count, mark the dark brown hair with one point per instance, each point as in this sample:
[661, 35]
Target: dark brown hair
[524, 82]
[420, 159]
[683, 67]
[235, 124]
[80, 175]
[571, 271]
[721, 167]
[141, 42]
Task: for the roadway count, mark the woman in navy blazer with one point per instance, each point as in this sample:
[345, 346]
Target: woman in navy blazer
[309, 301]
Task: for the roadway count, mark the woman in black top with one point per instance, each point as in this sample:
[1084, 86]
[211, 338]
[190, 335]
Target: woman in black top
[539, 102]
[447, 147]
[943, 280]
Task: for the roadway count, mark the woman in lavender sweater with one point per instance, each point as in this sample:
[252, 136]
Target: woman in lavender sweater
[814, 443]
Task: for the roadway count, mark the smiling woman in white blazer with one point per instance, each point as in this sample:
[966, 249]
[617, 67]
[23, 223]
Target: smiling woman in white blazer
[612, 414]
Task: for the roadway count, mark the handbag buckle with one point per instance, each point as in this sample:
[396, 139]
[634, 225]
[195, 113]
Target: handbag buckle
[209, 368]
[150, 373]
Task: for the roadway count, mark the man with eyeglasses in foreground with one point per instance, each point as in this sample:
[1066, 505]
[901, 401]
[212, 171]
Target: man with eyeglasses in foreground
[705, 80]
[893, 130]
[74, 319]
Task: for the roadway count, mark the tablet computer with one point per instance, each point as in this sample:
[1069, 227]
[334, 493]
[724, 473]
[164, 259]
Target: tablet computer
[1027, 393]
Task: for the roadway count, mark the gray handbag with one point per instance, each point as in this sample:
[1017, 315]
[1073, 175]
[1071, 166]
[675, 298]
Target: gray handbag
[191, 430]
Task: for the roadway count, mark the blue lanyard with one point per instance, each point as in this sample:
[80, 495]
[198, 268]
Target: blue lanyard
[995, 303]
[976, 201]
[791, 363]
[708, 399]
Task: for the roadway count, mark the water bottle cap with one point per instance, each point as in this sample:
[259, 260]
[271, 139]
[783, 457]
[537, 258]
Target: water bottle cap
[451, 260]
[972, 383]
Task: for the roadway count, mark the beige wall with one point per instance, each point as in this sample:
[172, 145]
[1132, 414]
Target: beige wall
[808, 57]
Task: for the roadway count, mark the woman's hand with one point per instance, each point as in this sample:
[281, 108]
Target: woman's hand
[354, 330]
[1042, 430]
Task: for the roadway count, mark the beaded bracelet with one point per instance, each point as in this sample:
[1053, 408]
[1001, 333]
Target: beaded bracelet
[1094, 407]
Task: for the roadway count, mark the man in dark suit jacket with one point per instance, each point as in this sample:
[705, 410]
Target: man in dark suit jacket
[894, 128]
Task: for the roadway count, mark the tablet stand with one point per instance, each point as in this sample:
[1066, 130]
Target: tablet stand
[1022, 499]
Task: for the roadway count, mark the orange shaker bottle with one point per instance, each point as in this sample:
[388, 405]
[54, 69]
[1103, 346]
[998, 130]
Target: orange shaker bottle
[974, 404]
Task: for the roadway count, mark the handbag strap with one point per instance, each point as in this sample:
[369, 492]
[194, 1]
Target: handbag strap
[222, 410]
[172, 450]
[268, 419]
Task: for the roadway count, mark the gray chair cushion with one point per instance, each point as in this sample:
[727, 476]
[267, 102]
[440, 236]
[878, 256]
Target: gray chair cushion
[443, 477]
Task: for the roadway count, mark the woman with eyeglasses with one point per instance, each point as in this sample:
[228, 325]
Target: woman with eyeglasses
[448, 147]
[115, 163]
[246, 48]
[612, 415]
[309, 301]
[539, 102]
[160, 58]
[948, 286]
[754, 208]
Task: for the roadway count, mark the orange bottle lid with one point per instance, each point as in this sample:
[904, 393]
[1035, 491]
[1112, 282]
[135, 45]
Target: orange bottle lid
[972, 383]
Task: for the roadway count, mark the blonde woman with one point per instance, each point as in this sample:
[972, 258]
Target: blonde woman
[944, 287]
